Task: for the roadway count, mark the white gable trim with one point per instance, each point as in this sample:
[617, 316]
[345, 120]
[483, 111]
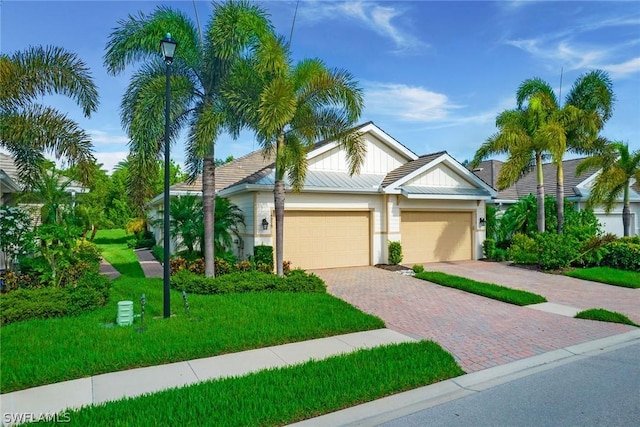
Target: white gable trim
[445, 158]
[375, 131]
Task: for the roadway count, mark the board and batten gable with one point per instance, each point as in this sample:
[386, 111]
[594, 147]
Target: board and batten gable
[440, 176]
[382, 155]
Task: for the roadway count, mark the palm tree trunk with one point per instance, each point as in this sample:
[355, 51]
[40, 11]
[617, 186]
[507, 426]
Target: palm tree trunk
[208, 208]
[560, 196]
[540, 192]
[278, 200]
[626, 212]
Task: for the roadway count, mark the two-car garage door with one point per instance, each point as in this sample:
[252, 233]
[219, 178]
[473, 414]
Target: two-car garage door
[327, 239]
[435, 236]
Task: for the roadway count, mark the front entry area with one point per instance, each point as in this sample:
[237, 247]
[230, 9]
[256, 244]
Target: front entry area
[436, 236]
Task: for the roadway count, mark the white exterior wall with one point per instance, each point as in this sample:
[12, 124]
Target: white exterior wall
[440, 176]
[379, 159]
[612, 223]
[242, 249]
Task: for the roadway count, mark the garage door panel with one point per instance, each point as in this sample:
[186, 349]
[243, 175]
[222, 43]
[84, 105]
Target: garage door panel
[323, 239]
[436, 236]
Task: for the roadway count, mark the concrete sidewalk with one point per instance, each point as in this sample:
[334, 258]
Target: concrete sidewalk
[150, 265]
[53, 398]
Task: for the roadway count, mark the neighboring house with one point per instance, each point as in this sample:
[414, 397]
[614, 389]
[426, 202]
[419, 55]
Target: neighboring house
[432, 204]
[576, 189]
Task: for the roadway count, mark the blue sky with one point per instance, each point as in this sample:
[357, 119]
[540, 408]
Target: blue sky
[434, 74]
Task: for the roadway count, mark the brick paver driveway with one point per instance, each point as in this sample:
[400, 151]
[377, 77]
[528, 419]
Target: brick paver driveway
[582, 294]
[478, 331]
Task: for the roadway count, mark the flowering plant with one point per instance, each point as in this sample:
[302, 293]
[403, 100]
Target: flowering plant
[16, 233]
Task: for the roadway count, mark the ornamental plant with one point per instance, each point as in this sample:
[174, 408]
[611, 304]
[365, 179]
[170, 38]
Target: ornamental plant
[16, 233]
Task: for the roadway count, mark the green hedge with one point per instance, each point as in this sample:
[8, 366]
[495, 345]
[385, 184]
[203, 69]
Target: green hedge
[251, 281]
[622, 254]
[91, 292]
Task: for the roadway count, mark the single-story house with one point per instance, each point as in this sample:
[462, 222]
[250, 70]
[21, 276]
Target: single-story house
[432, 204]
[576, 189]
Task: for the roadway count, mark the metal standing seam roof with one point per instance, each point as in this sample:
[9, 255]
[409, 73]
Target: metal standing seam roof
[446, 191]
[333, 180]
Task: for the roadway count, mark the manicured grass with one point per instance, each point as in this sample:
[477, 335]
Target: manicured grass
[284, 395]
[38, 352]
[489, 290]
[611, 276]
[114, 249]
[605, 316]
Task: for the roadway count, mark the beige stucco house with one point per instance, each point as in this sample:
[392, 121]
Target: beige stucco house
[432, 204]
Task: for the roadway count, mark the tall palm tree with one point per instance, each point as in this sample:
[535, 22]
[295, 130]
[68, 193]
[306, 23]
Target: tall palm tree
[618, 166]
[522, 135]
[291, 107]
[27, 128]
[575, 126]
[202, 63]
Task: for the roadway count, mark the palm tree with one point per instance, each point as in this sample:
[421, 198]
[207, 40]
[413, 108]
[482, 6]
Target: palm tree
[27, 128]
[523, 137]
[575, 126]
[291, 107]
[202, 63]
[618, 167]
[228, 219]
[49, 191]
[186, 220]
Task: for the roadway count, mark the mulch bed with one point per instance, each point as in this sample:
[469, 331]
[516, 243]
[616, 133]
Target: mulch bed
[392, 267]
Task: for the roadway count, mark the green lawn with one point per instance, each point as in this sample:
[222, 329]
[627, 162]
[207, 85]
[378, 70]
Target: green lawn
[114, 249]
[611, 276]
[44, 351]
[284, 395]
[489, 290]
[605, 316]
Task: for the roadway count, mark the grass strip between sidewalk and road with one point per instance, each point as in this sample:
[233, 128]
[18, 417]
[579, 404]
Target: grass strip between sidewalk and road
[603, 315]
[489, 290]
[610, 276]
[283, 395]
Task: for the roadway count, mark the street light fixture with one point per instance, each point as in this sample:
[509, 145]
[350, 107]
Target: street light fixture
[168, 48]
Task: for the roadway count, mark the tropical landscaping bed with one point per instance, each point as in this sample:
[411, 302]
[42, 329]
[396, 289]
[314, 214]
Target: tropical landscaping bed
[284, 395]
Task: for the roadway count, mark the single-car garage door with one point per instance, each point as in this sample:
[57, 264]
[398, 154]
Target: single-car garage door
[317, 239]
[435, 236]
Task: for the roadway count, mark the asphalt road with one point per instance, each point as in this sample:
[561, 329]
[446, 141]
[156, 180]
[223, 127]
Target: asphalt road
[602, 390]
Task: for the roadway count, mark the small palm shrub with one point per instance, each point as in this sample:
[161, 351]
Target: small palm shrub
[488, 248]
[395, 253]
[418, 268]
[263, 254]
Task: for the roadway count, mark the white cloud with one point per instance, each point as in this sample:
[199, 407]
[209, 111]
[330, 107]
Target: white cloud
[629, 67]
[378, 18]
[102, 137]
[407, 103]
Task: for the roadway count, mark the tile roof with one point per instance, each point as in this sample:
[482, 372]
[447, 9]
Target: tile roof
[231, 173]
[409, 167]
[489, 171]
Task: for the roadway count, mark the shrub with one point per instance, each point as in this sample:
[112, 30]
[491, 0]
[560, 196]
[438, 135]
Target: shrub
[593, 250]
[176, 264]
[556, 250]
[158, 253]
[265, 268]
[418, 268]
[622, 255]
[488, 247]
[264, 254]
[286, 267]
[243, 265]
[197, 266]
[252, 281]
[395, 253]
[90, 292]
[136, 227]
[189, 255]
[499, 254]
[88, 251]
[523, 249]
[222, 266]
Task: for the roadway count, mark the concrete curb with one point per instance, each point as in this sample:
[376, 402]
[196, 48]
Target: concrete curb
[402, 404]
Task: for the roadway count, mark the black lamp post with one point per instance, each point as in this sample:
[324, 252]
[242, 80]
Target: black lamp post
[168, 48]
